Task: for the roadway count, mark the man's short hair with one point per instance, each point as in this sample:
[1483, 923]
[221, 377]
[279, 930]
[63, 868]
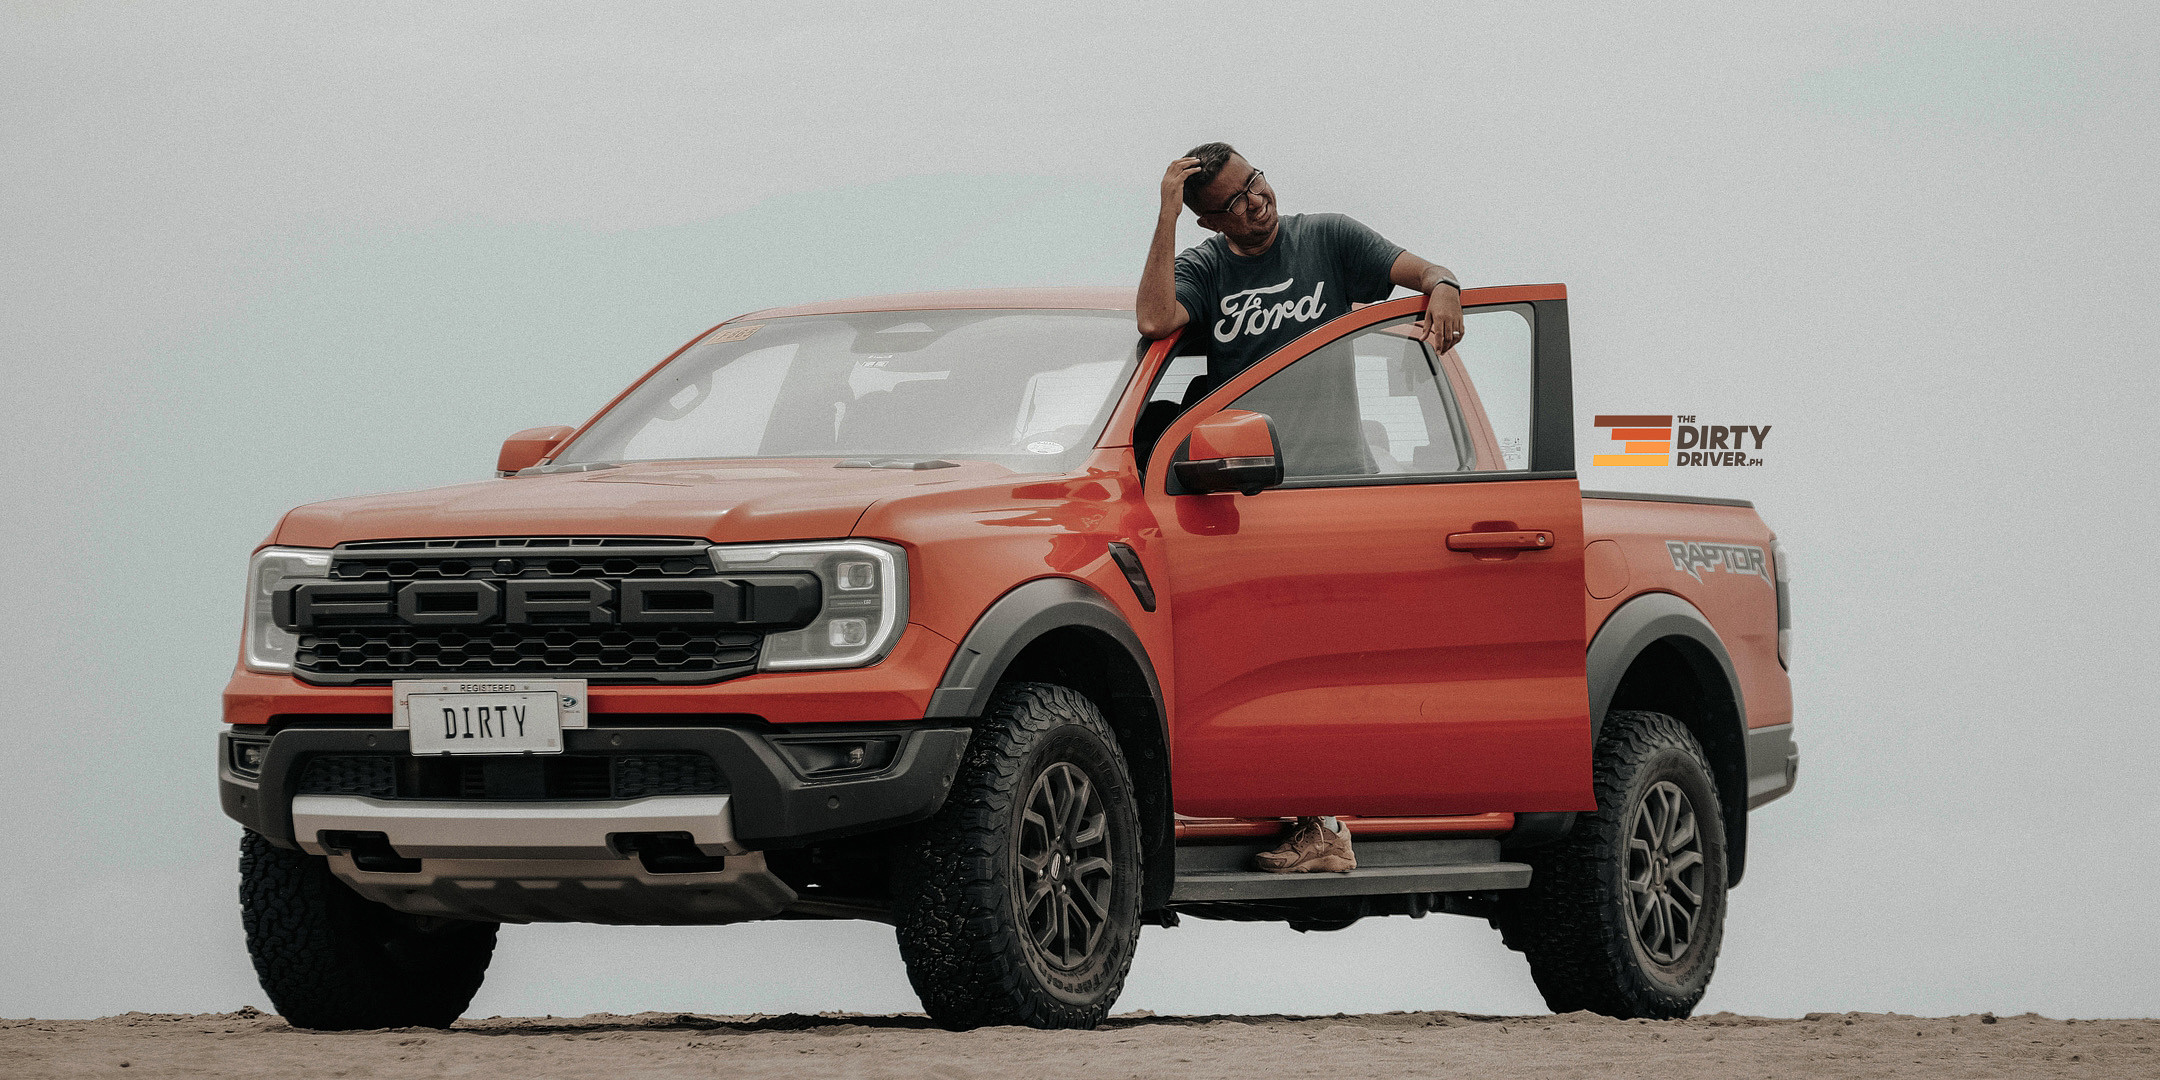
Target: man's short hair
[1213, 156]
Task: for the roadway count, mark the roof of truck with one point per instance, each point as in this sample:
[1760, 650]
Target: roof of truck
[1096, 297]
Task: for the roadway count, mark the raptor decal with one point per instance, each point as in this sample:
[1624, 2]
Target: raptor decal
[1695, 557]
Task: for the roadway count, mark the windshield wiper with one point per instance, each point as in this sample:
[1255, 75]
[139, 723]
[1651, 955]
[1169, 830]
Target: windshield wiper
[582, 466]
[897, 463]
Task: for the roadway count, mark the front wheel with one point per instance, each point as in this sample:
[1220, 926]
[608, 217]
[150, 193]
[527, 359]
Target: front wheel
[1625, 915]
[1019, 903]
[331, 960]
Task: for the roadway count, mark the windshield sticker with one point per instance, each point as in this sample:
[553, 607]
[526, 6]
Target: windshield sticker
[1046, 447]
[1692, 558]
[733, 333]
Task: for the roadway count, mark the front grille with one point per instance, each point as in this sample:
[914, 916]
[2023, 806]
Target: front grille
[561, 641]
[596, 651]
[354, 774]
[665, 774]
[563, 776]
[550, 557]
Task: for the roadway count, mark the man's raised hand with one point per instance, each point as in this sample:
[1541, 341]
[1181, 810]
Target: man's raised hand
[1173, 183]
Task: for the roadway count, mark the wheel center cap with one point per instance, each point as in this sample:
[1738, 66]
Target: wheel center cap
[1057, 864]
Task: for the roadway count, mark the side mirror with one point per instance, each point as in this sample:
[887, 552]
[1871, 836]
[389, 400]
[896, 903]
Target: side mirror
[1233, 450]
[528, 447]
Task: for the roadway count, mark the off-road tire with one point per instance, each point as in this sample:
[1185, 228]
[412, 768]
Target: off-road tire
[967, 933]
[1575, 922]
[333, 961]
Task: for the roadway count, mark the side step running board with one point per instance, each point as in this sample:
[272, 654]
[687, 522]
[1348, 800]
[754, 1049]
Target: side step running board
[1217, 872]
[1378, 881]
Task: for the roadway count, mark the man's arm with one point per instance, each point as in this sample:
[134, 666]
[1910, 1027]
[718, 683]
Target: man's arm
[1442, 322]
[1157, 304]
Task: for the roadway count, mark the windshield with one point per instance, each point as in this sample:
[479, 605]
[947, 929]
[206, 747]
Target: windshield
[1030, 390]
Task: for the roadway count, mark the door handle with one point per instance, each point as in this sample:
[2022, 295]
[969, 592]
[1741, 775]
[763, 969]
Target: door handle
[1529, 540]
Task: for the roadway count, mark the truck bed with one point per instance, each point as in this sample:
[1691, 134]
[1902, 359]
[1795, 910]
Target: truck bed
[1713, 553]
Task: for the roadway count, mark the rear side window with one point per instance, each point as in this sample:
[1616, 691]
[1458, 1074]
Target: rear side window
[1401, 409]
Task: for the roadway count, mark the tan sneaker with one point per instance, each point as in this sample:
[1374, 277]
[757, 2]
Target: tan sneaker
[1311, 848]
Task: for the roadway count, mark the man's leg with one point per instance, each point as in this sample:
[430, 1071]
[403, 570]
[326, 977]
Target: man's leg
[1315, 845]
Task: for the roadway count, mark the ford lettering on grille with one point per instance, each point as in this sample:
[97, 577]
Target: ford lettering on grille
[770, 602]
[624, 613]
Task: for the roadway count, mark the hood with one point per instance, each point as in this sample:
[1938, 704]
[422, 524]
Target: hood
[726, 502]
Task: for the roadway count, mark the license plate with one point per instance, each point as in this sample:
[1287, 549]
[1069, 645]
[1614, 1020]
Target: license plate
[459, 717]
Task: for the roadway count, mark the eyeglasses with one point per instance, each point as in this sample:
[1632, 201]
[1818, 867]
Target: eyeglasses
[1236, 205]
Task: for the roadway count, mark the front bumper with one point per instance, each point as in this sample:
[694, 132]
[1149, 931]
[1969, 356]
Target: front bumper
[579, 860]
[768, 804]
[423, 830]
[541, 861]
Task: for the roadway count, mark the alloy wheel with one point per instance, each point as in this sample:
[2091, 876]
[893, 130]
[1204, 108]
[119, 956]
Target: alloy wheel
[1065, 866]
[1664, 873]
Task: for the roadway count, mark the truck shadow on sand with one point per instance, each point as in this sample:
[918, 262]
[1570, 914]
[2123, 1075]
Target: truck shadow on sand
[796, 1022]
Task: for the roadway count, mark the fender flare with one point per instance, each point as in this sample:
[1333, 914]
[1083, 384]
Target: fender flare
[1013, 623]
[1017, 620]
[1636, 625]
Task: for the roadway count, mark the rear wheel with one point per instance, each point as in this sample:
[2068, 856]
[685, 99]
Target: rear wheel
[1019, 903]
[331, 960]
[1624, 916]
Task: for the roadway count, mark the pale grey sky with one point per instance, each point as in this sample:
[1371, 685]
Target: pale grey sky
[257, 255]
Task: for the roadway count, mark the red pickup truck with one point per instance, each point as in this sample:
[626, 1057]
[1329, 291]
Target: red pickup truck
[975, 614]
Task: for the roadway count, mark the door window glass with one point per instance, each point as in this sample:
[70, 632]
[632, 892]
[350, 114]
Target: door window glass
[1178, 383]
[1177, 377]
[1369, 404]
[1495, 359]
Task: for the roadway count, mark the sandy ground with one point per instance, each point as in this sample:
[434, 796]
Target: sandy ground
[251, 1044]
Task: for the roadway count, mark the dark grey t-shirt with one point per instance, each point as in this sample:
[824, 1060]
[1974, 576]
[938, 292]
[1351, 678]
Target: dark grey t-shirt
[1252, 305]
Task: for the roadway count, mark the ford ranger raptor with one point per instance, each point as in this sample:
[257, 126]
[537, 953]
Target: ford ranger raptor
[977, 615]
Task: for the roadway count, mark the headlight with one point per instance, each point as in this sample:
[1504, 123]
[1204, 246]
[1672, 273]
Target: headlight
[865, 586]
[270, 646]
